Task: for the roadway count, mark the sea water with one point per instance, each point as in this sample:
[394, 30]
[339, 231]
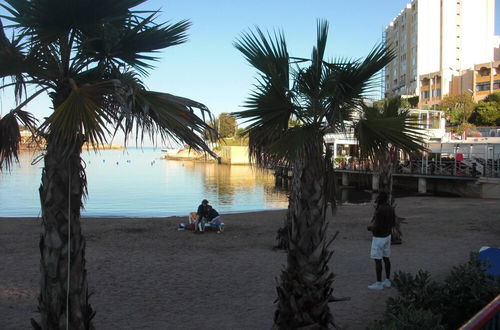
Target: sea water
[137, 183]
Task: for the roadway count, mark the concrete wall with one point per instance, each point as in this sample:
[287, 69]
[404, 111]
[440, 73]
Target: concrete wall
[234, 155]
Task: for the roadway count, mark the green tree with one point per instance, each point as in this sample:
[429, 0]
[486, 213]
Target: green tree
[457, 107]
[321, 95]
[493, 97]
[226, 125]
[487, 112]
[413, 101]
[88, 56]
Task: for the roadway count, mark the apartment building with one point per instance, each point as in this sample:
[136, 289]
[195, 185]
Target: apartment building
[480, 81]
[435, 40]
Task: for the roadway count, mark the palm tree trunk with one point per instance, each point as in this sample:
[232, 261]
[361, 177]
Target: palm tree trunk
[385, 174]
[305, 284]
[61, 191]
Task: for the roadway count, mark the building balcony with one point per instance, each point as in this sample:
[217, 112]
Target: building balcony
[482, 78]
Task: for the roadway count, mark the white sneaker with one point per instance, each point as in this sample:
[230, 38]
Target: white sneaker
[376, 286]
[387, 283]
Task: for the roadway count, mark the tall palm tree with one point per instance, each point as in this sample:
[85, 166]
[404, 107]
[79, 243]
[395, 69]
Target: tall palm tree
[89, 56]
[320, 95]
[371, 130]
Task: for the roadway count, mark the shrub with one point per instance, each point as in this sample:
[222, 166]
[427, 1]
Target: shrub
[467, 290]
[410, 318]
[415, 291]
[425, 304]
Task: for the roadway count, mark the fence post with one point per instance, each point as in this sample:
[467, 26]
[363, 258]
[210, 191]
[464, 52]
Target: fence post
[375, 181]
[422, 185]
[345, 179]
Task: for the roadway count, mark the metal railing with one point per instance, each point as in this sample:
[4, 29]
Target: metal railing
[488, 318]
[465, 168]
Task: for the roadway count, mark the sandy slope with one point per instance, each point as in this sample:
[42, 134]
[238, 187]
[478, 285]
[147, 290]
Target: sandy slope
[147, 275]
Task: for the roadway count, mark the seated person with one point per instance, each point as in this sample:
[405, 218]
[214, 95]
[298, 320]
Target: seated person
[212, 215]
[201, 214]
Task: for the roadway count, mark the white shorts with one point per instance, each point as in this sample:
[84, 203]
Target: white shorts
[381, 247]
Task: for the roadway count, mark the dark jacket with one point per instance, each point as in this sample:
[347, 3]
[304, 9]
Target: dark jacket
[212, 213]
[383, 221]
[202, 211]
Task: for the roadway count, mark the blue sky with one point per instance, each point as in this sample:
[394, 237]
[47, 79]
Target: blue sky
[210, 70]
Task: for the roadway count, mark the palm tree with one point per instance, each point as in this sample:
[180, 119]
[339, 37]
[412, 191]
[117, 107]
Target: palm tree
[371, 130]
[320, 95]
[89, 57]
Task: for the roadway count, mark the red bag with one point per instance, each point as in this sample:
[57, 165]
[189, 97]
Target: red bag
[190, 226]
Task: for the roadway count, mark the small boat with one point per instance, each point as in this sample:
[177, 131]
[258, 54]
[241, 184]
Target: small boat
[171, 151]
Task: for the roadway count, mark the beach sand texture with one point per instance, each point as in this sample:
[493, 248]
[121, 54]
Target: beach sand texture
[144, 274]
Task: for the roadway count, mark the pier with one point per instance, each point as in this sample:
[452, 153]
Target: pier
[467, 178]
[462, 169]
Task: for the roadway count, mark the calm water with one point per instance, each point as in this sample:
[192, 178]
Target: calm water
[137, 183]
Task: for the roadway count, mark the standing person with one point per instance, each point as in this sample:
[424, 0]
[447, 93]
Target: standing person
[201, 214]
[383, 221]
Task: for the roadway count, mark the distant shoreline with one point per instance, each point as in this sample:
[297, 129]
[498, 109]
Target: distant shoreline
[165, 217]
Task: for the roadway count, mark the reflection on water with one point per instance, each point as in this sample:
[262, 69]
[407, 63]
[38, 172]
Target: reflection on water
[137, 183]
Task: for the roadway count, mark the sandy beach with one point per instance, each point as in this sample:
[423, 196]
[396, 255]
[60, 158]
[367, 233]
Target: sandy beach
[144, 274]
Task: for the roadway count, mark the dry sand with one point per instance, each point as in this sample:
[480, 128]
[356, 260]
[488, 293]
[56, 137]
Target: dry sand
[147, 275]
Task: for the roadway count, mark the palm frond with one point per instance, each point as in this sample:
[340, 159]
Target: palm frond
[84, 113]
[49, 20]
[132, 41]
[269, 149]
[171, 117]
[380, 130]
[347, 82]
[10, 135]
[268, 54]
[319, 51]
[270, 105]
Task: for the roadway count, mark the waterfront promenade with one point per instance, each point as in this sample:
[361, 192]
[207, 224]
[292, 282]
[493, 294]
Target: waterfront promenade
[144, 274]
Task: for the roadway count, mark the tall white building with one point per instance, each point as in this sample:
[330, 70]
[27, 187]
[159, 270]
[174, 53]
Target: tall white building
[434, 40]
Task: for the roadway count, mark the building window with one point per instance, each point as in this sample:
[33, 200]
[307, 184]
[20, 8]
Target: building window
[483, 86]
[436, 92]
[425, 94]
[483, 72]
[496, 84]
